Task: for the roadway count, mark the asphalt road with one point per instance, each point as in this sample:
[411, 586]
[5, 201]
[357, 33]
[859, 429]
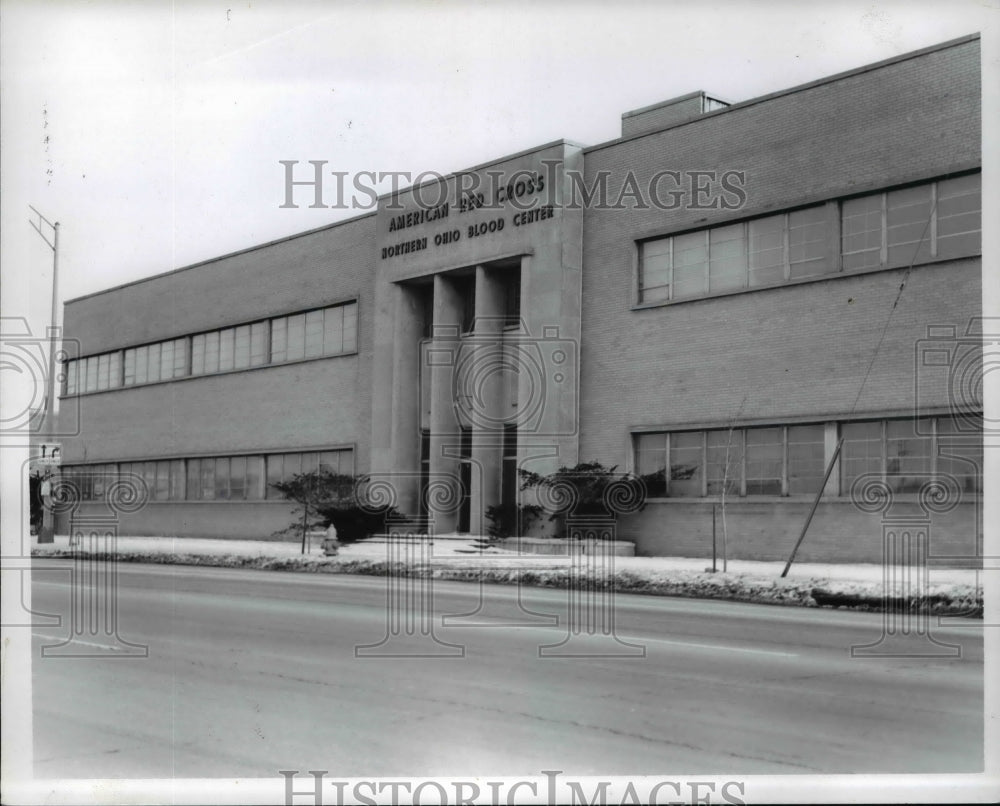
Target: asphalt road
[251, 672]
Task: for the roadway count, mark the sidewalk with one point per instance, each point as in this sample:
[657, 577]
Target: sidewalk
[456, 557]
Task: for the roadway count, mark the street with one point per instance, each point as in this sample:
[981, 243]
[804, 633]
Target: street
[252, 672]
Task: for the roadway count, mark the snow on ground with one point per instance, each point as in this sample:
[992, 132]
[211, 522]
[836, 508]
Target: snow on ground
[460, 552]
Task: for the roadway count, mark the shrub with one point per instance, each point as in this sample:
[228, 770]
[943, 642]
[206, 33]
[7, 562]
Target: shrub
[509, 520]
[588, 489]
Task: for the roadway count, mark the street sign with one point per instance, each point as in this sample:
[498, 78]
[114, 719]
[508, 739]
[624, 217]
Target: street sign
[50, 454]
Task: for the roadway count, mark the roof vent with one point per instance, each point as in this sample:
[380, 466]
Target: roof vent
[669, 113]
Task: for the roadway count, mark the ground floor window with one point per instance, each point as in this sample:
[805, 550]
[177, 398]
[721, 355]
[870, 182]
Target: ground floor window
[781, 460]
[211, 478]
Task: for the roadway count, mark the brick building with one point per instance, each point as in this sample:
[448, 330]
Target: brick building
[715, 300]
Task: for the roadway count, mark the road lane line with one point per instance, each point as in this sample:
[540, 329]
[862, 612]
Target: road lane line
[719, 647]
[62, 639]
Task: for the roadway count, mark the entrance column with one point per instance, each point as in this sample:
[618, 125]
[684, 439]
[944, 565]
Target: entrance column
[488, 410]
[445, 436]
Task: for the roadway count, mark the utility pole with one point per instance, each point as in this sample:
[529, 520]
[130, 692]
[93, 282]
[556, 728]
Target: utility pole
[47, 532]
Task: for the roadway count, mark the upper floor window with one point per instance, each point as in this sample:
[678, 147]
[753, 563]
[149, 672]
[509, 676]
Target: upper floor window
[324, 331]
[934, 220]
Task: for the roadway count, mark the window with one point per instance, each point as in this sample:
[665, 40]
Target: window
[227, 346]
[282, 467]
[687, 458]
[792, 460]
[905, 453]
[894, 228]
[765, 460]
[651, 462]
[724, 461]
[959, 216]
[750, 254]
[806, 458]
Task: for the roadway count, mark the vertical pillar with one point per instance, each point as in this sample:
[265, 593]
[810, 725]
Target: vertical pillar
[488, 409]
[406, 367]
[445, 438]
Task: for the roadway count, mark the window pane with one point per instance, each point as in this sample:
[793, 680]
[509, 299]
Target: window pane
[333, 330]
[167, 360]
[71, 375]
[690, 264]
[154, 363]
[180, 357]
[908, 225]
[292, 466]
[959, 216]
[861, 232]
[255, 470]
[177, 480]
[91, 374]
[861, 452]
[198, 354]
[908, 455]
[162, 481]
[724, 455]
[141, 364]
[764, 460]
[98, 481]
[685, 463]
[960, 454]
[654, 277]
[222, 478]
[129, 367]
[241, 356]
[193, 479]
[651, 462]
[279, 340]
[296, 346]
[258, 344]
[728, 258]
[207, 479]
[212, 351]
[237, 478]
[806, 459]
[226, 349]
[329, 461]
[103, 365]
[314, 334]
[767, 250]
[310, 462]
[149, 477]
[115, 370]
[275, 474]
[350, 327]
[807, 243]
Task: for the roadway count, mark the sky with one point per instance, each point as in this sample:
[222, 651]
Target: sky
[152, 131]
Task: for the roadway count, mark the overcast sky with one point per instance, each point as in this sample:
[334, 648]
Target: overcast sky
[152, 130]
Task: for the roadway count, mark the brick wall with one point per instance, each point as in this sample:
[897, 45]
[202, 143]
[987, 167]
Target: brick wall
[799, 350]
[312, 403]
[768, 530]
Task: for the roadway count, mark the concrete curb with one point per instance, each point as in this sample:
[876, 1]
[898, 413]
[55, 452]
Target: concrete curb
[784, 592]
